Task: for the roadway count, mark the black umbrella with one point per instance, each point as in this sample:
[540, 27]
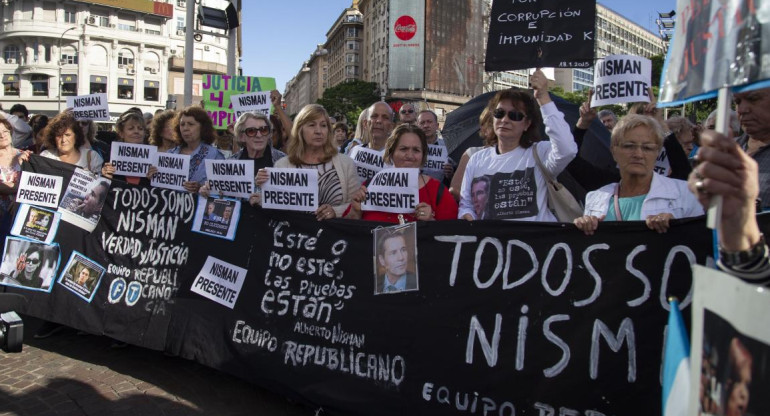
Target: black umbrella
[461, 131]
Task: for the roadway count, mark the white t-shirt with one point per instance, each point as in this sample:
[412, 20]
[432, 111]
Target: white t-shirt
[95, 165]
[515, 188]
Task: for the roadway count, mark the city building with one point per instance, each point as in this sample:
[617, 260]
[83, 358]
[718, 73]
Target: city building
[344, 47]
[133, 53]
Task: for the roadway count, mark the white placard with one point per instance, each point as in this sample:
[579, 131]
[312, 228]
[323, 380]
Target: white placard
[393, 190]
[291, 189]
[437, 157]
[368, 161]
[130, 159]
[621, 79]
[254, 102]
[90, 107]
[230, 177]
[173, 171]
[39, 189]
[219, 281]
[729, 326]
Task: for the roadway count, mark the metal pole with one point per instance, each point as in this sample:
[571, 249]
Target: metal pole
[232, 46]
[189, 32]
[60, 65]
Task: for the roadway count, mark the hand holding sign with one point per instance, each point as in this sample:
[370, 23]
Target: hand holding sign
[540, 86]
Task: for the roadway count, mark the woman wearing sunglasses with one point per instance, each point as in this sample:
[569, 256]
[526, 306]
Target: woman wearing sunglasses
[504, 181]
[28, 267]
[254, 133]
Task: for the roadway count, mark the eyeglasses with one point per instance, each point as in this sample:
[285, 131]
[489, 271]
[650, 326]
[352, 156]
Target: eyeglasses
[33, 262]
[646, 147]
[406, 111]
[252, 131]
[512, 115]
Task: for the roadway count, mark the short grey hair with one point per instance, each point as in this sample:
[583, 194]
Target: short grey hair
[735, 123]
[605, 113]
[237, 129]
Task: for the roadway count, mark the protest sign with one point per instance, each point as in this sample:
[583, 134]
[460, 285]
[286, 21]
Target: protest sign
[36, 223]
[90, 107]
[130, 159]
[730, 345]
[219, 89]
[39, 189]
[82, 276]
[393, 190]
[173, 171]
[575, 322]
[256, 102]
[717, 44]
[621, 79]
[291, 189]
[29, 265]
[230, 177]
[83, 199]
[438, 155]
[217, 217]
[368, 161]
[541, 33]
[219, 281]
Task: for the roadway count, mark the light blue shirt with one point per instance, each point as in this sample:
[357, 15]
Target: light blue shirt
[630, 208]
[197, 157]
[399, 286]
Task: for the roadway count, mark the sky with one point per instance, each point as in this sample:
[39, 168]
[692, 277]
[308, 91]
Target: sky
[278, 36]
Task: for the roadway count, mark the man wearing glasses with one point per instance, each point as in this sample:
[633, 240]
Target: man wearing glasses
[407, 114]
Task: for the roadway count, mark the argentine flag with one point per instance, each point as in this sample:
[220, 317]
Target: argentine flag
[676, 365]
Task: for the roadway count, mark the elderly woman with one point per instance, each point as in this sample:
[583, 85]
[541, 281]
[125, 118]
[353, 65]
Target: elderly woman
[641, 193]
[407, 147]
[253, 132]
[131, 129]
[684, 131]
[64, 141]
[162, 131]
[517, 187]
[195, 132]
[311, 147]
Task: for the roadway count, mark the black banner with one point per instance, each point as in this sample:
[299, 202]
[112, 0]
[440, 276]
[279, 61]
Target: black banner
[509, 318]
[541, 33]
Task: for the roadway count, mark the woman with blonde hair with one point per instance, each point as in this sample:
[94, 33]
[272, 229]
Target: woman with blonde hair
[311, 147]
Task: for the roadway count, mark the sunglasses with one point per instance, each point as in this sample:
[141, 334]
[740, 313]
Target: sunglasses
[252, 131]
[407, 111]
[513, 115]
[33, 262]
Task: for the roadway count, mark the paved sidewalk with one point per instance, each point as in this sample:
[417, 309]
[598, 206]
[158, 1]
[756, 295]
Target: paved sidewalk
[76, 375]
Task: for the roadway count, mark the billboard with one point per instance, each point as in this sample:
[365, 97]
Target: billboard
[144, 6]
[406, 41]
[454, 46]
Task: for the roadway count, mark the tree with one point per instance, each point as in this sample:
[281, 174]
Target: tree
[657, 68]
[349, 99]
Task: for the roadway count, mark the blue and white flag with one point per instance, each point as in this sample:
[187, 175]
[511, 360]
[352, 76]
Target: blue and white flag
[676, 365]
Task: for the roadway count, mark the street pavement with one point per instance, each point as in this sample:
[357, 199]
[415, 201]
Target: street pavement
[80, 375]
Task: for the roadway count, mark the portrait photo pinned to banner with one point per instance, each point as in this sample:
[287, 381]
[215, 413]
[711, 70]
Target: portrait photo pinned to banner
[84, 198]
[217, 217]
[82, 276]
[29, 264]
[730, 351]
[36, 223]
[395, 259]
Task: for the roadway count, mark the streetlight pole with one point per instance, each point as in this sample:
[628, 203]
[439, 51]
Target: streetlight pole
[60, 64]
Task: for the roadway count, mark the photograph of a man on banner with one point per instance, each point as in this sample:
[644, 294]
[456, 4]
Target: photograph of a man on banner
[395, 259]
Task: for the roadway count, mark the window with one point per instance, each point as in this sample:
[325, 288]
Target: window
[351, 58]
[152, 26]
[69, 84]
[181, 3]
[151, 91]
[69, 55]
[39, 85]
[11, 84]
[125, 59]
[11, 52]
[352, 32]
[126, 88]
[353, 45]
[180, 23]
[98, 84]
[47, 52]
[126, 22]
[70, 16]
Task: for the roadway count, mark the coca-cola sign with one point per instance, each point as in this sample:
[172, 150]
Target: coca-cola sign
[405, 27]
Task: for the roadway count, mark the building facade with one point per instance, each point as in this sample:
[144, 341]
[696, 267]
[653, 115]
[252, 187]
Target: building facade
[344, 42]
[55, 49]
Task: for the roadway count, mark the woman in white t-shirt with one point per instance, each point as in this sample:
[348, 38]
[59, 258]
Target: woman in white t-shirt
[65, 141]
[504, 181]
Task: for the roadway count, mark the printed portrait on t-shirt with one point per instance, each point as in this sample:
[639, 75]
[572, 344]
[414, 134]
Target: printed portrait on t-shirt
[505, 195]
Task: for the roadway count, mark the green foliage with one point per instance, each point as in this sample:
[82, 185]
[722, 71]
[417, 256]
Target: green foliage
[573, 97]
[349, 98]
[657, 68]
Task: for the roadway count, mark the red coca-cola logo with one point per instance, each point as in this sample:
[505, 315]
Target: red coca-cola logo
[405, 27]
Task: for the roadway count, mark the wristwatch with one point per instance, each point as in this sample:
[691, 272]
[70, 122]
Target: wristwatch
[744, 257]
